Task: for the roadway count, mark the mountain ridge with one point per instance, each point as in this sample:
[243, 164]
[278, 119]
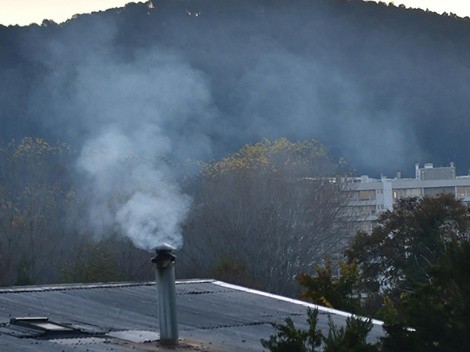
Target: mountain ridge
[383, 86]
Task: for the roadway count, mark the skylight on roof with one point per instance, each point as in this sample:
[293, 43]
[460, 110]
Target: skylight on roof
[40, 323]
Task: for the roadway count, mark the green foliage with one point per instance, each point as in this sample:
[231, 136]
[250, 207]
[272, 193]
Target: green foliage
[413, 273]
[387, 312]
[437, 310]
[95, 263]
[324, 289]
[290, 339]
[23, 276]
[233, 270]
[350, 338]
[407, 242]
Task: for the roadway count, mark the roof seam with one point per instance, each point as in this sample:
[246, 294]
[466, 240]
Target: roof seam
[225, 326]
[204, 292]
[67, 287]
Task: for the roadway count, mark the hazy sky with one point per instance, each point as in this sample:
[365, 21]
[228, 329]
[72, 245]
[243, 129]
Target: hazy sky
[24, 12]
[459, 7]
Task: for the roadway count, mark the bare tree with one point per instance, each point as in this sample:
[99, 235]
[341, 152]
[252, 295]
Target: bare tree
[33, 197]
[271, 210]
[45, 234]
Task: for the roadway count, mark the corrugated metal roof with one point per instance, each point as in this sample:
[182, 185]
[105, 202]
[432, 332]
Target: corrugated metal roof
[218, 316]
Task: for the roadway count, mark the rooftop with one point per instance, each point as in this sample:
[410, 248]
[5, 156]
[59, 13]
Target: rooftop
[212, 316]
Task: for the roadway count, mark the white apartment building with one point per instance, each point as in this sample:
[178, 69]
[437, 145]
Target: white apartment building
[370, 196]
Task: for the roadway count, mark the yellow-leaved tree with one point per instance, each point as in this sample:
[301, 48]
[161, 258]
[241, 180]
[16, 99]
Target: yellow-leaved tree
[268, 212]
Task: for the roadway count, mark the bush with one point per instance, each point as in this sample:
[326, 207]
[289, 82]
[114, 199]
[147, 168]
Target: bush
[350, 338]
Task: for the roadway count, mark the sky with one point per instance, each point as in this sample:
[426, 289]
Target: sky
[459, 7]
[24, 12]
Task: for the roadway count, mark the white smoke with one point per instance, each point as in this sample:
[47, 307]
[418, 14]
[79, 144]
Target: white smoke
[132, 193]
[140, 118]
[152, 219]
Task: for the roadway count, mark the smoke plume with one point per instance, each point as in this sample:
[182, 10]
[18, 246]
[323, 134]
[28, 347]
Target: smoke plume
[133, 118]
[139, 115]
[141, 89]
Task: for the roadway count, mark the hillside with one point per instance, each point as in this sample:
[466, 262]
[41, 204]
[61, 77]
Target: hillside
[382, 86]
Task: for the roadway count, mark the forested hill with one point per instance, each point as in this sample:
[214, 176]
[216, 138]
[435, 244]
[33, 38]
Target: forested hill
[383, 86]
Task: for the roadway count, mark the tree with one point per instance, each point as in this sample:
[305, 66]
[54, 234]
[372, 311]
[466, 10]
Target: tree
[93, 262]
[42, 222]
[290, 339]
[33, 197]
[334, 292]
[352, 337]
[437, 310]
[407, 242]
[275, 206]
[417, 262]
[234, 271]
[349, 338]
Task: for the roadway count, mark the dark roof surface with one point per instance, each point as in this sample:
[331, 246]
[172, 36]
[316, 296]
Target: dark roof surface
[212, 316]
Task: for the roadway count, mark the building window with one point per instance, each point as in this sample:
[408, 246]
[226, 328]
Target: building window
[463, 191]
[406, 192]
[438, 190]
[366, 195]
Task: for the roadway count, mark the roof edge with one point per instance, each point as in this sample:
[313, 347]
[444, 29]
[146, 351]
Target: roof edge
[295, 301]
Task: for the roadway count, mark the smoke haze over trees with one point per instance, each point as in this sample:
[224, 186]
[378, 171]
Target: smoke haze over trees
[380, 85]
[257, 217]
[138, 91]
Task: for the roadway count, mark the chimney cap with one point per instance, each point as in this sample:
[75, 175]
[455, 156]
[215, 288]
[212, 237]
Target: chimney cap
[164, 247]
[163, 258]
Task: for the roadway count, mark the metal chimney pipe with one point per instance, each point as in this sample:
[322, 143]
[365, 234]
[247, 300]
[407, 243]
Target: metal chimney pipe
[165, 273]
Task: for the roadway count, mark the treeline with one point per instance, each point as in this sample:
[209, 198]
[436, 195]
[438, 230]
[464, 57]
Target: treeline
[258, 217]
[44, 237]
[266, 212]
